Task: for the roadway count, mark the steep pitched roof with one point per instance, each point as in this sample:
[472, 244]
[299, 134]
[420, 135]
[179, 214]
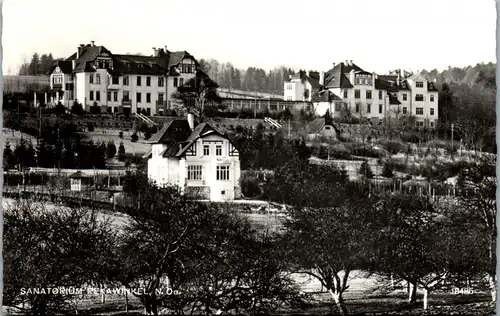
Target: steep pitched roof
[174, 131]
[317, 124]
[201, 130]
[88, 54]
[325, 96]
[65, 66]
[336, 77]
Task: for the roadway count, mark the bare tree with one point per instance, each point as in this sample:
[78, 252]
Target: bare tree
[198, 96]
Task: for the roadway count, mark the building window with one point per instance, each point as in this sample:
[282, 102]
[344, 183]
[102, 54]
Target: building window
[289, 98]
[419, 84]
[97, 78]
[419, 123]
[160, 98]
[368, 94]
[91, 96]
[161, 81]
[357, 107]
[138, 81]
[206, 150]
[148, 111]
[357, 94]
[222, 172]
[108, 96]
[289, 86]
[432, 111]
[148, 97]
[368, 108]
[405, 110]
[380, 108]
[125, 80]
[419, 111]
[126, 96]
[138, 97]
[98, 95]
[218, 150]
[148, 81]
[181, 82]
[115, 96]
[91, 78]
[337, 106]
[115, 80]
[380, 94]
[432, 97]
[419, 97]
[405, 97]
[195, 172]
[345, 93]
[175, 82]
[431, 124]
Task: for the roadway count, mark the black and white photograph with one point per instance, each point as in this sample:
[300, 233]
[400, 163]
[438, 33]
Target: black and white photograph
[249, 157]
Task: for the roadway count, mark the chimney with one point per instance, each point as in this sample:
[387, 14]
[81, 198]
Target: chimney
[190, 118]
[166, 50]
[322, 78]
[333, 65]
[155, 52]
[92, 43]
[73, 64]
[290, 77]
[346, 62]
[398, 79]
[351, 76]
[79, 51]
[350, 62]
[307, 73]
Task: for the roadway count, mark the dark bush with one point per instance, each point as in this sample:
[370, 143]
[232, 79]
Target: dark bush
[249, 183]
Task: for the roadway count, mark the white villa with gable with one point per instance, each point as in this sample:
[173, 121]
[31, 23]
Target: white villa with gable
[199, 159]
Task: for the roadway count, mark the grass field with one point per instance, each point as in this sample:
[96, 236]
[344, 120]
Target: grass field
[104, 135]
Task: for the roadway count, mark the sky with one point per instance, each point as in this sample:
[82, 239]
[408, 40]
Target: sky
[378, 35]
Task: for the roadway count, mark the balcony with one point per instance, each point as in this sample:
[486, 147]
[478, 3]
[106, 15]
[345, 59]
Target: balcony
[160, 102]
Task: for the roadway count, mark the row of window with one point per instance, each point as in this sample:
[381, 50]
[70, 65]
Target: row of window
[363, 80]
[357, 95]
[418, 111]
[206, 150]
[195, 172]
[126, 80]
[126, 96]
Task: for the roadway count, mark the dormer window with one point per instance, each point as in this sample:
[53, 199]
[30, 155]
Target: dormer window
[419, 84]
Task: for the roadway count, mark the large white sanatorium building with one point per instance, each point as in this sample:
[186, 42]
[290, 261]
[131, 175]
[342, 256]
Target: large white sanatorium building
[120, 83]
[347, 87]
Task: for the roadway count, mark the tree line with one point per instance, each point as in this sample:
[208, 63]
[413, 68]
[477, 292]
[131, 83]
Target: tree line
[40, 64]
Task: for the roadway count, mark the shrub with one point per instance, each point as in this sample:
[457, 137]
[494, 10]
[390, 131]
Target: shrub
[120, 134]
[121, 152]
[111, 150]
[249, 183]
[134, 138]
[387, 171]
[365, 170]
[90, 126]
[394, 147]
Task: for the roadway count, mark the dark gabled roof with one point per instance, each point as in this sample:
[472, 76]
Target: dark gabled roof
[88, 54]
[174, 131]
[325, 96]
[201, 130]
[65, 66]
[336, 77]
[162, 64]
[317, 124]
[313, 78]
[388, 77]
